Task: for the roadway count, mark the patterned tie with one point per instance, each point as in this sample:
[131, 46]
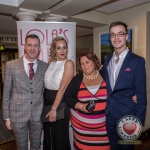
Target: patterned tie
[31, 71]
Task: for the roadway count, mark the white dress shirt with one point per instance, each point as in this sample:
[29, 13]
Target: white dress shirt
[114, 68]
[27, 67]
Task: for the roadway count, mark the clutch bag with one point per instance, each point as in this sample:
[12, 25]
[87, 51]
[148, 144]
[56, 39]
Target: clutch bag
[60, 112]
[90, 107]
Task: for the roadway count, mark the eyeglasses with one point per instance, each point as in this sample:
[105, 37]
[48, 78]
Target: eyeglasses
[118, 35]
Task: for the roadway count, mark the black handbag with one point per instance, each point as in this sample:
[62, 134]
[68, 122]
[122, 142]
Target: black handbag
[60, 112]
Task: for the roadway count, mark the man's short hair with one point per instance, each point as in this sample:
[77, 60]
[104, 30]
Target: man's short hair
[116, 23]
[32, 36]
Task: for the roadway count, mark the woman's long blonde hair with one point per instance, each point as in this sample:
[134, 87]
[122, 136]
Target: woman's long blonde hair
[52, 56]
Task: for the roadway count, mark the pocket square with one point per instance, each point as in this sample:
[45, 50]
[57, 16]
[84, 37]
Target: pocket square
[128, 69]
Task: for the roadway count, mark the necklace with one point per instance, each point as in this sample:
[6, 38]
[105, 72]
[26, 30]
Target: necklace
[93, 77]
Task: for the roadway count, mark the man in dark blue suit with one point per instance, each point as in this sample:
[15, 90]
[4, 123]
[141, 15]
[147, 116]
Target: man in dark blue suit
[125, 77]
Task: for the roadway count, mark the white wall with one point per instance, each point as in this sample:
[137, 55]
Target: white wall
[83, 44]
[86, 41]
[135, 18]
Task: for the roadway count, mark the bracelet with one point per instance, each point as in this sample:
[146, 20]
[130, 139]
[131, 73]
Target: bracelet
[53, 109]
[81, 107]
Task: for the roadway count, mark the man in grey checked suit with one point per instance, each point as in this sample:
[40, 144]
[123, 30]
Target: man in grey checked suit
[23, 97]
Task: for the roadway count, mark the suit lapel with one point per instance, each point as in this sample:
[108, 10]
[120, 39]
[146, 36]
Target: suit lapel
[123, 67]
[107, 76]
[22, 71]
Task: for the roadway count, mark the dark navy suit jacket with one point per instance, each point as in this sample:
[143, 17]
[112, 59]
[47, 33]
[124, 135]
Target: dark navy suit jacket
[131, 80]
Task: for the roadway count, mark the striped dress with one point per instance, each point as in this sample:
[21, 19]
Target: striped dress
[90, 128]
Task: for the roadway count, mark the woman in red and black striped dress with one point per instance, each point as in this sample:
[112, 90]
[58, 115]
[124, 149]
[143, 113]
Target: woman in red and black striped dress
[89, 128]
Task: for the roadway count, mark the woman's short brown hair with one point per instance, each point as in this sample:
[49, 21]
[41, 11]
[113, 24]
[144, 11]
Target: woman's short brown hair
[91, 56]
[52, 56]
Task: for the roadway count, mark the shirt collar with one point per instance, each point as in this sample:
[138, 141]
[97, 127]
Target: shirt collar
[27, 61]
[122, 55]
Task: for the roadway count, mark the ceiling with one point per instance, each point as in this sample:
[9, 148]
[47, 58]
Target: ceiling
[73, 10]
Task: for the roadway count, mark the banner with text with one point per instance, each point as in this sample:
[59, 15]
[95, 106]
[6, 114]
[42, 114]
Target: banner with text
[47, 31]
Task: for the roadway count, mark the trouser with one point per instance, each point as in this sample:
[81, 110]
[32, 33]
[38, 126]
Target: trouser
[113, 136]
[56, 134]
[21, 132]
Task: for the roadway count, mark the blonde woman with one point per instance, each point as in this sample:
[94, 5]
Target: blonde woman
[57, 77]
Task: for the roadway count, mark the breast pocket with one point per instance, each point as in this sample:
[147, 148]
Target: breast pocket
[128, 76]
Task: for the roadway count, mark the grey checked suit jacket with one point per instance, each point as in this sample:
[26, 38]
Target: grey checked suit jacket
[22, 97]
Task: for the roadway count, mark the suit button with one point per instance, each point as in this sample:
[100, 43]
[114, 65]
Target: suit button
[31, 83]
[31, 102]
[31, 92]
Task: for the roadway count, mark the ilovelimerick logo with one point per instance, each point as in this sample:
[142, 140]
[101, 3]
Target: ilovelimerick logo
[129, 128]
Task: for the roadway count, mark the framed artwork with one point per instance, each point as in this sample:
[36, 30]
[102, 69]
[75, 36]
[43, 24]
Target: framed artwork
[106, 47]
